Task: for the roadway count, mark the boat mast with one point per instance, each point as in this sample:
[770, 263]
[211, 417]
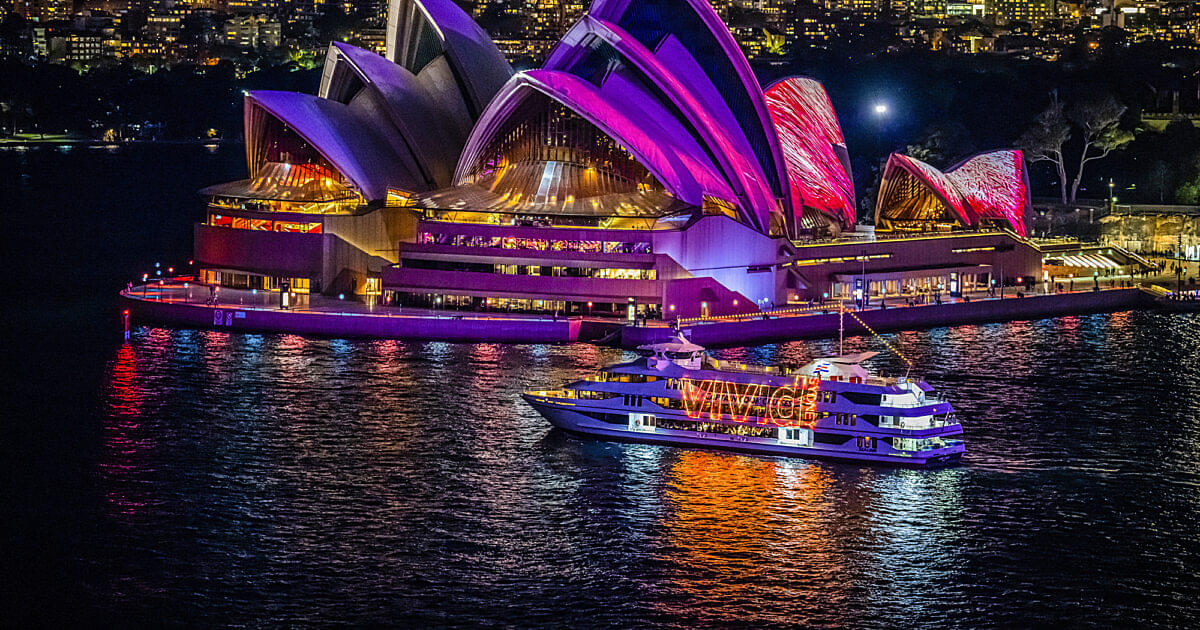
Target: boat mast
[841, 325]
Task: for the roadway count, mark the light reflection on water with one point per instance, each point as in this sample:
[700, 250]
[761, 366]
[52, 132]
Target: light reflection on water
[279, 479]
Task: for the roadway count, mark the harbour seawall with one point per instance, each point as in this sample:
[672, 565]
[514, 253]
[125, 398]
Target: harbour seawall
[475, 328]
[760, 331]
[465, 329]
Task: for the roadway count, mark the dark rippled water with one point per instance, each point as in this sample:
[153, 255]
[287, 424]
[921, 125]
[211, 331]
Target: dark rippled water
[207, 478]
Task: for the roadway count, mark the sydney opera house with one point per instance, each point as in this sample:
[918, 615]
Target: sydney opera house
[642, 166]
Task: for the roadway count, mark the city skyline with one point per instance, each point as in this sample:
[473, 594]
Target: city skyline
[525, 31]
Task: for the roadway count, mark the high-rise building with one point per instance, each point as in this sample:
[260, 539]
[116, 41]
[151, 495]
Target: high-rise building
[84, 46]
[873, 6]
[163, 28]
[966, 8]
[268, 7]
[549, 19]
[925, 8]
[45, 10]
[1034, 11]
[252, 32]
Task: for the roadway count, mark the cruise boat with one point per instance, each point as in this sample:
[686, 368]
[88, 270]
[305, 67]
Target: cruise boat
[832, 408]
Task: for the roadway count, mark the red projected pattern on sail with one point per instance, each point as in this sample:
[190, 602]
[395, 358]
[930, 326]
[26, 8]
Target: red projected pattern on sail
[938, 181]
[811, 139]
[994, 186]
[988, 186]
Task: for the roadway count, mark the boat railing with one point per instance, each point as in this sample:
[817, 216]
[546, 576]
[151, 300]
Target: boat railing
[882, 381]
[935, 422]
[730, 366]
[913, 404]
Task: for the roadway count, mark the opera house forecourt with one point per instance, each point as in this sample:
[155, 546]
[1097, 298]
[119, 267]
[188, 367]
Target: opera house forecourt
[642, 170]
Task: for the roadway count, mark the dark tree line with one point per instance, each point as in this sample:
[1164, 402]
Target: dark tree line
[180, 102]
[944, 107]
[941, 107]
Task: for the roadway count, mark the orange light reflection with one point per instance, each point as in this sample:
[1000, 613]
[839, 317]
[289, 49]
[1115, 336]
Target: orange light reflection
[727, 513]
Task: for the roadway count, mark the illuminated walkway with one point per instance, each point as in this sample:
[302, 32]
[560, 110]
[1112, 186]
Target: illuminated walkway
[177, 305]
[184, 291]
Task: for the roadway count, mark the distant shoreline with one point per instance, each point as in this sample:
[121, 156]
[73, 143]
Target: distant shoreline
[59, 141]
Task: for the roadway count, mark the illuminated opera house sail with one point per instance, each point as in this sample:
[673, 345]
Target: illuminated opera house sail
[642, 169]
[818, 163]
[331, 174]
[990, 188]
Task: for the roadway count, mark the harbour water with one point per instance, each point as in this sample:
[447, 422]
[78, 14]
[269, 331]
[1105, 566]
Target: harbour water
[210, 478]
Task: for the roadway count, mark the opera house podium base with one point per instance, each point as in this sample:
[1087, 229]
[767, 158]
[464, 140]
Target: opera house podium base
[172, 304]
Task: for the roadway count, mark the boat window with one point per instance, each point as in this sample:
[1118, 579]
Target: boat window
[667, 403]
[590, 395]
[611, 418]
[684, 424]
[861, 398]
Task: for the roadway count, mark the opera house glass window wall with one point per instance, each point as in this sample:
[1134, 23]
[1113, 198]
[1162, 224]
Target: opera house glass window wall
[642, 165]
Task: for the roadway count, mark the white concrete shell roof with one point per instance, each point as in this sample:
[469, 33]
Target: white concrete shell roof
[598, 47]
[424, 133]
[634, 123]
[420, 31]
[347, 142]
[690, 38]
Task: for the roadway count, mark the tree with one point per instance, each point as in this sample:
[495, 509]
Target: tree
[1098, 119]
[940, 143]
[1043, 142]
[1188, 192]
[1160, 179]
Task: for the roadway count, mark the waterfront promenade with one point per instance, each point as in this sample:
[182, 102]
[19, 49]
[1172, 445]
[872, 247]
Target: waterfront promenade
[182, 303]
[825, 323]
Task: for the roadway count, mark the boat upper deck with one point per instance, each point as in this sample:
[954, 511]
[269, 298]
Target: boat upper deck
[714, 368]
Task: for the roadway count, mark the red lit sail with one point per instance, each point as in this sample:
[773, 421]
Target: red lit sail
[813, 149]
[987, 188]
